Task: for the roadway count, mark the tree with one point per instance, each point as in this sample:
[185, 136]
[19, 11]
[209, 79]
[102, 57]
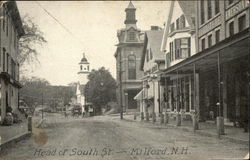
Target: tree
[29, 42]
[100, 89]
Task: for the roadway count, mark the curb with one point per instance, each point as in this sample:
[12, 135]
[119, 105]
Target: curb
[14, 140]
[200, 132]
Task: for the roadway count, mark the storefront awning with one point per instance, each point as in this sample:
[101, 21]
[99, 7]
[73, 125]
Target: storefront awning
[139, 96]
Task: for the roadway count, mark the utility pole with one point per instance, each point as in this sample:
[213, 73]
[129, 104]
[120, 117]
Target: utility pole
[120, 78]
[42, 105]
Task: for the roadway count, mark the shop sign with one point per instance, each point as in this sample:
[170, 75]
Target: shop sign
[235, 9]
[209, 26]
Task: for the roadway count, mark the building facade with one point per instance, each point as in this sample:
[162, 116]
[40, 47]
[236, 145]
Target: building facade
[10, 31]
[223, 36]
[128, 55]
[152, 62]
[83, 73]
[179, 44]
[218, 68]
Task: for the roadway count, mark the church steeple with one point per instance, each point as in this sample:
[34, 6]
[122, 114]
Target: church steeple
[130, 14]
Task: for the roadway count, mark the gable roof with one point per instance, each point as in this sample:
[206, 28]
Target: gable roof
[152, 38]
[188, 8]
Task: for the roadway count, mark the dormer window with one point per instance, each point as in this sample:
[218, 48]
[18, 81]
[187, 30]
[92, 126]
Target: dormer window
[172, 27]
[131, 36]
[182, 22]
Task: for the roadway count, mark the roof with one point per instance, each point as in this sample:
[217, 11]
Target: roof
[153, 38]
[84, 59]
[188, 8]
[12, 6]
[130, 6]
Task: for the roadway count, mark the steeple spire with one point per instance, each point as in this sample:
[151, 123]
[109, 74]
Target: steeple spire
[84, 59]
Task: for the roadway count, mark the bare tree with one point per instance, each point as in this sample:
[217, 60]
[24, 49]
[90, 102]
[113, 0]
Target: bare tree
[29, 42]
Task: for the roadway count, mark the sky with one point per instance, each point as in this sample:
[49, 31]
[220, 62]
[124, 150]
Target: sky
[93, 26]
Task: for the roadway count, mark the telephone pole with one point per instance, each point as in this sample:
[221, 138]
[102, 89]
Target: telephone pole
[120, 78]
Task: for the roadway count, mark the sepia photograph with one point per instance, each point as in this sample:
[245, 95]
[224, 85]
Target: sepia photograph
[124, 80]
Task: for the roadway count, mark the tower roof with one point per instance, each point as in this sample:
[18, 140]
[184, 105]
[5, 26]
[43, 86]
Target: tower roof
[84, 59]
[130, 6]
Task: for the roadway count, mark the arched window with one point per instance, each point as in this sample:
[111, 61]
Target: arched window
[81, 67]
[131, 67]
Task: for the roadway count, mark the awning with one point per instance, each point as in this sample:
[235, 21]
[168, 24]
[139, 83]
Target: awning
[139, 96]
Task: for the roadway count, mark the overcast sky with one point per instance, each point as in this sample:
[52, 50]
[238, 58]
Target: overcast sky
[94, 26]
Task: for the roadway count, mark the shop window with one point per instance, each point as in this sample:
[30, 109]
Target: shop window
[209, 40]
[217, 36]
[131, 67]
[209, 9]
[182, 48]
[178, 24]
[203, 44]
[231, 28]
[217, 6]
[202, 11]
[242, 23]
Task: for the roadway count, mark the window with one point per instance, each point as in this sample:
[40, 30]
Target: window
[4, 61]
[178, 24]
[209, 40]
[81, 67]
[7, 25]
[151, 54]
[182, 22]
[172, 27]
[8, 56]
[242, 23]
[182, 48]
[171, 51]
[217, 36]
[203, 44]
[88, 68]
[202, 12]
[147, 55]
[231, 28]
[131, 67]
[3, 20]
[230, 2]
[209, 9]
[217, 6]
[131, 36]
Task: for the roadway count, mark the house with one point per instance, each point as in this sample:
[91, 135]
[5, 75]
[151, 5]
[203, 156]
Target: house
[128, 56]
[152, 61]
[179, 44]
[11, 30]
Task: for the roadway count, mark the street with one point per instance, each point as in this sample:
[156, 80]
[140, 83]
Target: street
[107, 137]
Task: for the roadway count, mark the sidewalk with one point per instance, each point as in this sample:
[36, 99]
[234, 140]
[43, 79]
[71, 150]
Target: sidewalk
[15, 132]
[232, 134]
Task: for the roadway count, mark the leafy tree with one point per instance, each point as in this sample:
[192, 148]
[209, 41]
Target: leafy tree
[28, 43]
[35, 90]
[100, 89]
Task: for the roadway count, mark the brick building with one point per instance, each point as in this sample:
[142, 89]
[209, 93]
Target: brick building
[128, 55]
